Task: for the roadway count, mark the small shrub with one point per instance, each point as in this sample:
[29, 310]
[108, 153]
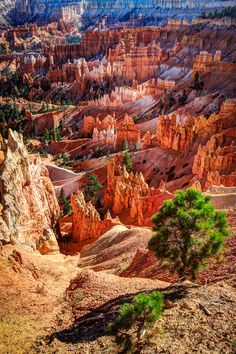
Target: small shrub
[142, 313]
[127, 161]
[125, 145]
[135, 118]
[79, 296]
[40, 289]
[65, 203]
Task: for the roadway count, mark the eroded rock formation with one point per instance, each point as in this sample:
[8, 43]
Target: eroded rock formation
[29, 207]
[87, 225]
[127, 130]
[86, 220]
[90, 123]
[122, 186]
[129, 191]
[175, 132]
[105, 136]
[216, 161]
[143, 208]
[207, 62]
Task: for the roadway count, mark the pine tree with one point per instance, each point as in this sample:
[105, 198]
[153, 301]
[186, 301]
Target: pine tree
[196, 77]
[65, 157]
[125, 145]
[67, 208]
[92, 187]
[15, 112]
[161, 103]
[65, 203]
[56, 135]
[127, 161]
[135, 118]
[47, 136]
[197, 82]
[188, 231]
[69, 102]
[2, 116]
[62, 124]
[23, 113]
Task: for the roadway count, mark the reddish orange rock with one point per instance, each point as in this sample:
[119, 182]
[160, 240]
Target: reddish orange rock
[127, 131]
[90, 123]
[174, 132]
[87, 225]
[216, 161]
[122, 186]
[44, 121]
[129, 191]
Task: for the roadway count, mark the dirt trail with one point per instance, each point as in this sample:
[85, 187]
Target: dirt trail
[32, 290]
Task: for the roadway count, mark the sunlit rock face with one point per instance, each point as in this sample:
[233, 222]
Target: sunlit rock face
[173, 134]
[122, 186]
[87, 225]
[129, 192]
[214, 162]
[29, 208]
[86, 219]
[127, 131]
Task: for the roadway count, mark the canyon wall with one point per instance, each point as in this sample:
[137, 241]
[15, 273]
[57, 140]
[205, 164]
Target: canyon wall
[93, 9]
[207, 62]
[5, 7]
[29, 208]
[128, 59]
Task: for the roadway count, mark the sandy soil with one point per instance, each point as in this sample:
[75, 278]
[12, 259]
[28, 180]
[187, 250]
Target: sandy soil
[31, 295]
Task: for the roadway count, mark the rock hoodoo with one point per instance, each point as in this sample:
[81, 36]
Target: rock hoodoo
[129, 191]
[87, 225]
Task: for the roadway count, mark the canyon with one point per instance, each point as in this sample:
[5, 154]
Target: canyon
[105, 113]
[91, 10]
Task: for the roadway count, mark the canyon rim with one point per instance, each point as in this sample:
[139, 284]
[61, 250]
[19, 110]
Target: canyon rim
[117, 176]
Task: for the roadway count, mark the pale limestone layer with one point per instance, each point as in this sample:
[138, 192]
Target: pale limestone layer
[28, 201]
